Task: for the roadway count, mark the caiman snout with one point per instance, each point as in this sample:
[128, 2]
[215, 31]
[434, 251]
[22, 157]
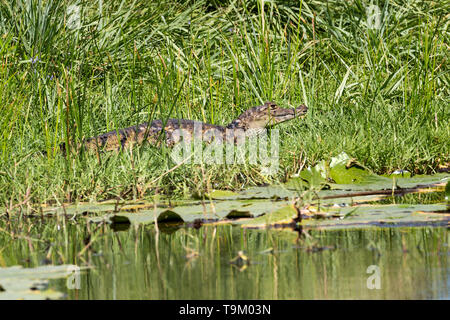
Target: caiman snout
[279, 115]
[301, 110]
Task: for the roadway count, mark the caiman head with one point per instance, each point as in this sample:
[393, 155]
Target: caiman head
[266, 115]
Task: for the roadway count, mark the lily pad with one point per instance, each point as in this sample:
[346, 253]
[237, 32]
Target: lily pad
[222, 194]
[220, 210]
[20, 283]
[345, 173]
[330, 190]
[283, 216]
[381, 215]
[267, 192]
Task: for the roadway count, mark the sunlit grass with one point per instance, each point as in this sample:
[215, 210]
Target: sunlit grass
[380, 95]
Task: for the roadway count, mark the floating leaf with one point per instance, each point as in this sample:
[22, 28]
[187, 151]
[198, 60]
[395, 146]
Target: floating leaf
[345, 173]
[382, 215]
[222, 194]
[312, 177]
[283, 216]
[20, 283]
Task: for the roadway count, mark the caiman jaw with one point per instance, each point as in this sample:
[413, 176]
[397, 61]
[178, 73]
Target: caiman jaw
[281, 115]
[266, 115]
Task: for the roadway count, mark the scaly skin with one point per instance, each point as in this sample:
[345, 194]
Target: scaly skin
[252, 120]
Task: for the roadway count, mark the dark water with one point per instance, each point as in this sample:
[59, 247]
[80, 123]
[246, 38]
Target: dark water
[188, 263]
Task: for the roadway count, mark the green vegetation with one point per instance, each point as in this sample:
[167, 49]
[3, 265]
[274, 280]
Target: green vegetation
[380, 95]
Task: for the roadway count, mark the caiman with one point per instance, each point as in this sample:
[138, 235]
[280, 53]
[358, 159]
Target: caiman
[256, 118]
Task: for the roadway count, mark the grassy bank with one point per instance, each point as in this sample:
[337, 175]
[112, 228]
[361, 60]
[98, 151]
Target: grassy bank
[379, 94]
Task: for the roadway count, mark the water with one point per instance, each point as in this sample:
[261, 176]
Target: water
[188, 263]
[364, 248]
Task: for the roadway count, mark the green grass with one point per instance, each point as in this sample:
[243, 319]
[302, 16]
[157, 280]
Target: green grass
[380, 95]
